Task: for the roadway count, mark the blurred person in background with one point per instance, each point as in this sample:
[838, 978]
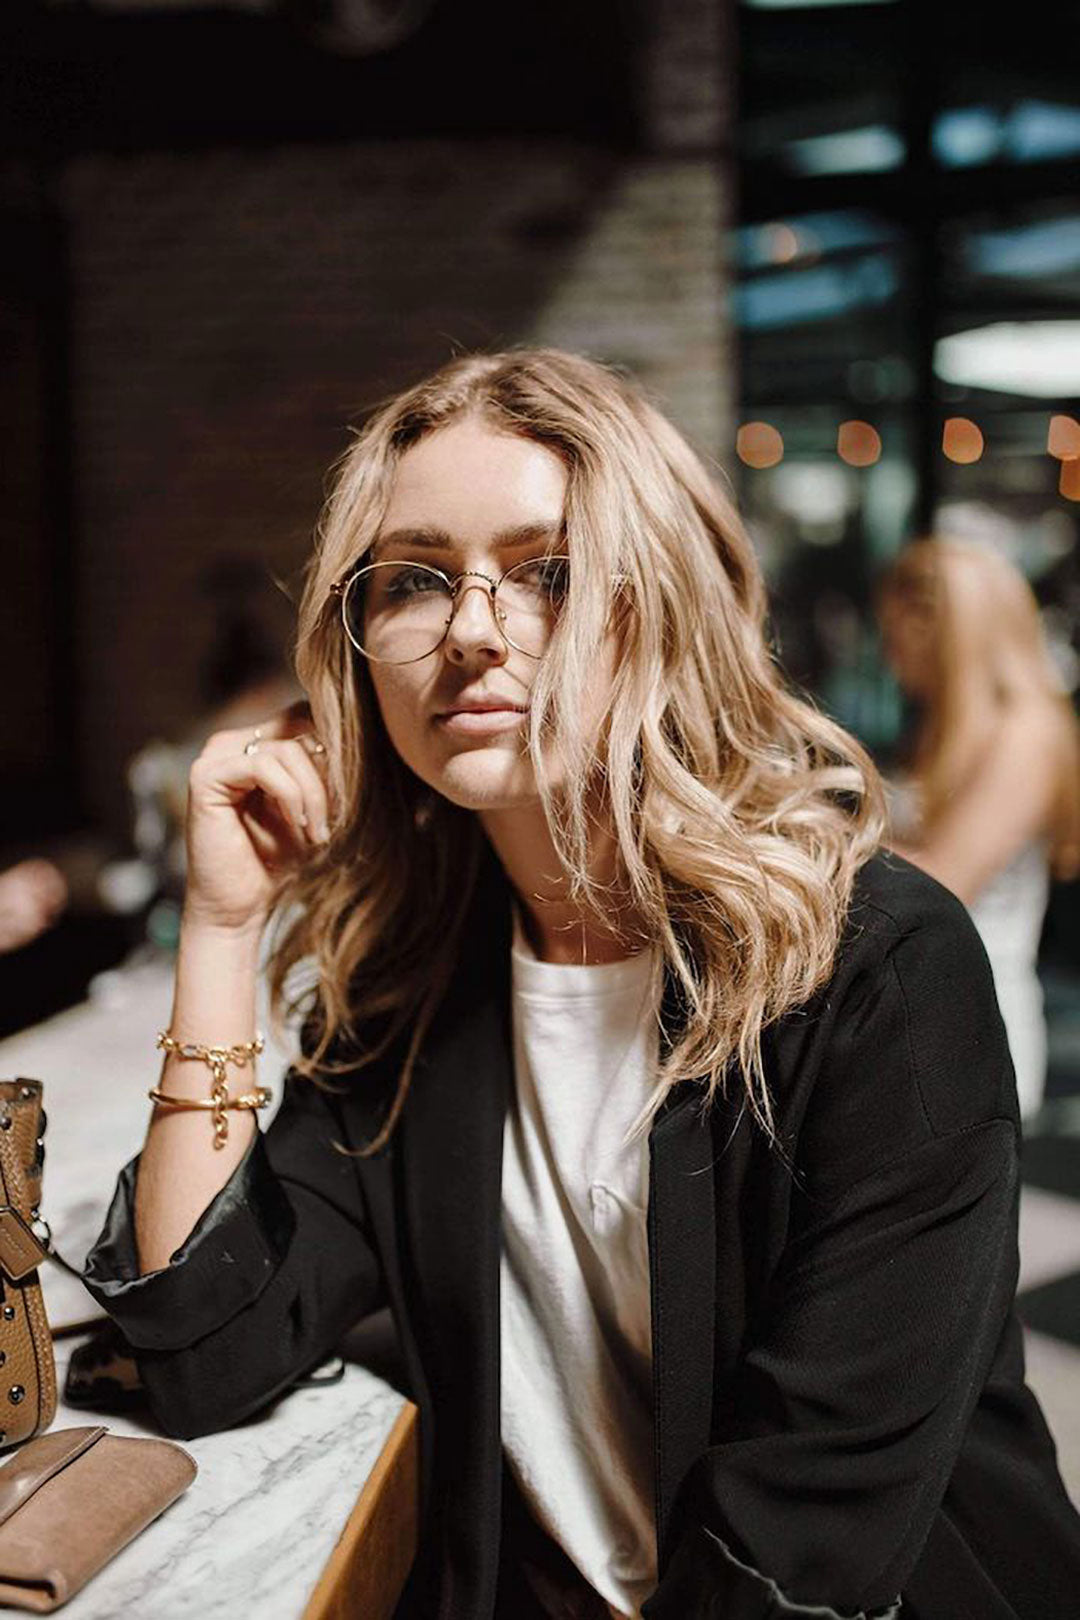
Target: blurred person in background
[33, 893]
[988, 801]
[675, 1124]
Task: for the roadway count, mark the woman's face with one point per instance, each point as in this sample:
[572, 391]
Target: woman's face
[909, 633]
[469, 497]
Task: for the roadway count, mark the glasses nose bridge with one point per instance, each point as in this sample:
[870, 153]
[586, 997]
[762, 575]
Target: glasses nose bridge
[459, 591]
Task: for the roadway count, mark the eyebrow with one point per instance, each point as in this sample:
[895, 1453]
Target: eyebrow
[429, 537]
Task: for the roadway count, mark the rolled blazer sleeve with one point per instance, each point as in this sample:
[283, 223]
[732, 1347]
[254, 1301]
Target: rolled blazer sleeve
[836, 1440]
[279, 1265]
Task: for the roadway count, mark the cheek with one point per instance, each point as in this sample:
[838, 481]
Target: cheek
[399, 701]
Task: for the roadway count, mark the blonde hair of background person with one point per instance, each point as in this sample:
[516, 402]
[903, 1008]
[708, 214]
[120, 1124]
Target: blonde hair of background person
[996, 753]
[739, 814]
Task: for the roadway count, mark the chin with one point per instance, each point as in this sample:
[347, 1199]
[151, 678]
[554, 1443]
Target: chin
[485, 779]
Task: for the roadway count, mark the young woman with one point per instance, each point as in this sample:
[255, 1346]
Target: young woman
[675, 1125]
[991, 801]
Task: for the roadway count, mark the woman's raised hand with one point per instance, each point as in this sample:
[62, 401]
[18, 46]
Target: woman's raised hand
[253, 816]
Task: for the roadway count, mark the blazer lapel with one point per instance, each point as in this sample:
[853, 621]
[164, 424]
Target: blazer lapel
[682, 1264]
[682, 1259]
[451, 1147]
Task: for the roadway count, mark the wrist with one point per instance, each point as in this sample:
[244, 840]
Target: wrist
[237, 939]
[216, 991]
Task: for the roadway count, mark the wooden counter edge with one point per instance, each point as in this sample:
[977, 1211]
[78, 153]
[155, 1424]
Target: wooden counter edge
[368, 1568]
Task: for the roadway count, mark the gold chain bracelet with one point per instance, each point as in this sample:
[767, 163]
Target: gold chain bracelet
[216, 1058]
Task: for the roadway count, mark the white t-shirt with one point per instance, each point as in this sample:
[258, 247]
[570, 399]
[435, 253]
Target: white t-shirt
[577, 1422]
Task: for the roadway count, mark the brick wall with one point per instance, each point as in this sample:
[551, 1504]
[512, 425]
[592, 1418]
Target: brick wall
[235, 310]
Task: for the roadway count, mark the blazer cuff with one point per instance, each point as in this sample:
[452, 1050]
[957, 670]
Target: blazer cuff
[706, 1580]
[233, 1250]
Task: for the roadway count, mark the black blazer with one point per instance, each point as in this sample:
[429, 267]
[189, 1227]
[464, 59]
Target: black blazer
[841, 1418]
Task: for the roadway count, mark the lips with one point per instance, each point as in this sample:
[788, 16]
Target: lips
[484, 706]
[482, 718]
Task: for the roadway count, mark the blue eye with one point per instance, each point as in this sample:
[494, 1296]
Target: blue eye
[405, 582]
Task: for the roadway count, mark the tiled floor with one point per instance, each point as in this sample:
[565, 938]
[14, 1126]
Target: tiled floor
[1049, 1304]
[1049, 1298]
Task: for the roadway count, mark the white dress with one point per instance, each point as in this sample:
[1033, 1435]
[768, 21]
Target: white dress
[1008, 913]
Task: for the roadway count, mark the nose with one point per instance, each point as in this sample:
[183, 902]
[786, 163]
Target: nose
[474, 635]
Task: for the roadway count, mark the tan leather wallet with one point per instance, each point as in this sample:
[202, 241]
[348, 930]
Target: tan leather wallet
[70, 1500]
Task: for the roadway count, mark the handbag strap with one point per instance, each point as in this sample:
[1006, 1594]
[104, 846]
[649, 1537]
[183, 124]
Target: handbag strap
[21, 1253]
[21, 1107]
[21, 1250]
[21, 1161]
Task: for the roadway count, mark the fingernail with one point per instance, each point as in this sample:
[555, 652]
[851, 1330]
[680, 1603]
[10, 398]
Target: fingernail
[303, 819]
[324, 833]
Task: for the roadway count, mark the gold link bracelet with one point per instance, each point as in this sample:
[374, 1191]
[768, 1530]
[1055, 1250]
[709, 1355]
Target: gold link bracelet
[216, 1058]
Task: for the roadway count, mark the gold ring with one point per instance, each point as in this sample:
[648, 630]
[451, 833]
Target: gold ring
[252, 745]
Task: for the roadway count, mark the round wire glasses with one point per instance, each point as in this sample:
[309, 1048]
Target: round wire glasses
[399, 612]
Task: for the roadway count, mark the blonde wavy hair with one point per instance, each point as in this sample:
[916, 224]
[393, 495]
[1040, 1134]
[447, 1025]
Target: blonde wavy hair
[740, 813]
[988, 638]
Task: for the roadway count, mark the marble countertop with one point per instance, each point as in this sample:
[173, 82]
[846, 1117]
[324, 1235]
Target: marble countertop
[253, 1532]
[255, 1529]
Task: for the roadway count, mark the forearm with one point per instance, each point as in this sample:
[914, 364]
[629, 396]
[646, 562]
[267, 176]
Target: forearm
[180, 1170]
[281, 1265]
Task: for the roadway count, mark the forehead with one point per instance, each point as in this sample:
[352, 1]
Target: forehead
[473, 483]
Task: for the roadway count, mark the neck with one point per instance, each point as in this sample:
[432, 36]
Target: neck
[557, 928]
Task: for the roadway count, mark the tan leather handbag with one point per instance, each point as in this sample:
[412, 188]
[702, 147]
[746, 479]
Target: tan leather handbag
[27, 1368]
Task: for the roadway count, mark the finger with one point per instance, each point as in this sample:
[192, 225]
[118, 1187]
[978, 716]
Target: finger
[270, 831]
[299, 729]
[315, 750]
[296, 759]
[287, 793]
[227, 750]
[243, 773]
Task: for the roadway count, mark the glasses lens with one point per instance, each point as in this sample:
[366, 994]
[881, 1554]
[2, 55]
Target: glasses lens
[398, 611]
[529, 600]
